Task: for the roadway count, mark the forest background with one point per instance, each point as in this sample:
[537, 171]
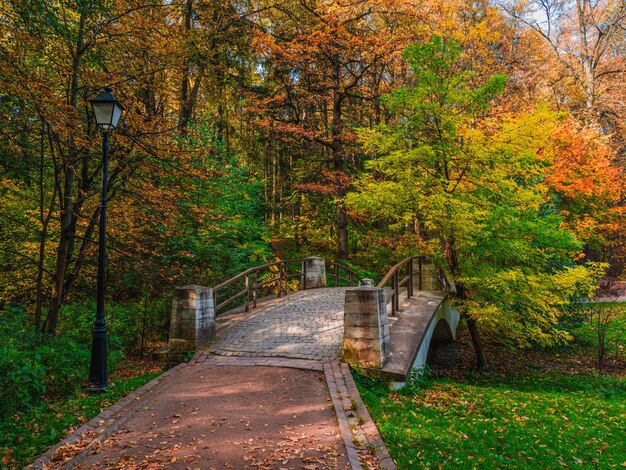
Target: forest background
[488, 134]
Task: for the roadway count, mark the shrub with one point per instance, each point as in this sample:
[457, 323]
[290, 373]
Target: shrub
[127, 323]
[36, 368]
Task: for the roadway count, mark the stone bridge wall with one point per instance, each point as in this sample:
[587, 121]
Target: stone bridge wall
[367, 336]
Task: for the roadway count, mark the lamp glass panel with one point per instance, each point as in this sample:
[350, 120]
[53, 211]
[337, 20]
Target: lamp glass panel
[117, 114]
[103, 112]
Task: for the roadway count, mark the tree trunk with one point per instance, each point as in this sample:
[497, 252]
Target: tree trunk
[67, 203]
[339, 165]
[63, 252]
[472, 325]
[274, 185]
[587, 58]
[42, 236]
[481, 358]
[184, 113]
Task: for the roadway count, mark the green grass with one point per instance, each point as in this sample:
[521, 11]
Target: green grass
[25, 436]
[530, 420]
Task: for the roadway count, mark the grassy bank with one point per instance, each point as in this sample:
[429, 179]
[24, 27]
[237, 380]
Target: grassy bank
[25, 436]
[538, 409]
[532, 420]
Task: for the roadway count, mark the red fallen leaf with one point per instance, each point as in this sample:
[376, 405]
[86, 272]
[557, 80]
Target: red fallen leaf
[7, 459]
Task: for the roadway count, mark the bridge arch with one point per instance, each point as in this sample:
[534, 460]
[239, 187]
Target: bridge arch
[442, 334]
[441, 329]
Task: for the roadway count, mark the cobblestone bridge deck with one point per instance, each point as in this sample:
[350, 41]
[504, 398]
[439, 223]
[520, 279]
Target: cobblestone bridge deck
[304, 325]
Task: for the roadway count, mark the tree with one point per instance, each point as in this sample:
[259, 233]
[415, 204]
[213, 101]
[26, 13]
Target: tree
[324, 65]
[213, 48]
[586, 39]
[589, 187]
[477, 189]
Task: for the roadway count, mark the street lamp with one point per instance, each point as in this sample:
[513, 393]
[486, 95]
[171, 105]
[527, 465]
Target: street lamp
[107, 112]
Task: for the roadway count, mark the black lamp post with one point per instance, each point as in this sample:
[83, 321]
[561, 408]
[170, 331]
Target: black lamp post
[107, 111]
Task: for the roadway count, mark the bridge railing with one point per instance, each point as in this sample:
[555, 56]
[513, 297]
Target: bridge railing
[343, 276]
[270, 278]
[275, 278]
[415, 271]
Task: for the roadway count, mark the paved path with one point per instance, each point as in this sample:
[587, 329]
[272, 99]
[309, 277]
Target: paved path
[268, 393]
[230, 417]
[304, 325]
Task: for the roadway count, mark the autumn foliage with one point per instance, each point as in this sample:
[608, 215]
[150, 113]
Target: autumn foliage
[588, 182]
[364, 130]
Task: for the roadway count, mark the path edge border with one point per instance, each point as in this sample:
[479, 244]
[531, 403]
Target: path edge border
[355, 421]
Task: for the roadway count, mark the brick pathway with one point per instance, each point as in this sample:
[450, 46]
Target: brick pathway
[304, 325]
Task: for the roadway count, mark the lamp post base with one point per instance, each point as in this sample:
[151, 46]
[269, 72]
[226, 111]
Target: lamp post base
[97, 389]
[98, 375]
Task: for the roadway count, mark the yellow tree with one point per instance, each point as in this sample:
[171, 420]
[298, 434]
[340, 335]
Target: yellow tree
[477, 188]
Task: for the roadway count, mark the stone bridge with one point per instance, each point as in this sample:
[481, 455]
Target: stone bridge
[389, 329]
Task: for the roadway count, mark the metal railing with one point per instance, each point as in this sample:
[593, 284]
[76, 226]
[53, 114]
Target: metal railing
[403, 274]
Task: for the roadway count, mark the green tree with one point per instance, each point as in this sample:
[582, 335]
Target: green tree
[475, 190]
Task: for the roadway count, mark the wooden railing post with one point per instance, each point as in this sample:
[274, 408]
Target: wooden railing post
[254, 291]
[420, 280]
[303, 276]
[280, 280]
[393, 295]
[409, 287]
[396, 294]
[286, 278]
[247, 292]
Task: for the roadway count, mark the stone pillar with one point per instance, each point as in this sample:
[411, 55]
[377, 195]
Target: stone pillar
[193, 318]
[430, 278]
[315, 272]
[366, 331]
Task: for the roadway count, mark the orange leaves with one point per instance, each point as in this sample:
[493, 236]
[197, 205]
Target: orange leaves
[334, 182]
[589, 183]
[583, 165]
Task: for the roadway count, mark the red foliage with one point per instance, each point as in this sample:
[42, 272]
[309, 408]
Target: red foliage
[590, 184]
